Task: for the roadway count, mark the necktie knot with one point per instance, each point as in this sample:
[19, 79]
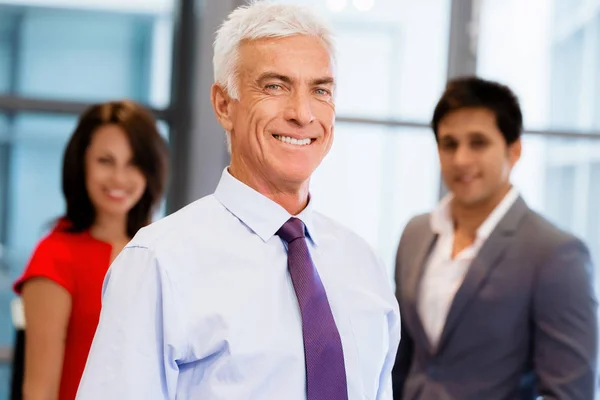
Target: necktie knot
[293, 229]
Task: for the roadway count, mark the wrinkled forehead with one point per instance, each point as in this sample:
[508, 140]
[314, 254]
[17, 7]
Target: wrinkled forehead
[299, 56]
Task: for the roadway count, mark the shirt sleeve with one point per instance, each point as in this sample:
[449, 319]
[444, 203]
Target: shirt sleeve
[134, 352]
[393, 319]
[385, 381]
[49, 260]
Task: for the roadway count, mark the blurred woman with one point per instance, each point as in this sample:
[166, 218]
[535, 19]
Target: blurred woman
[113, 178]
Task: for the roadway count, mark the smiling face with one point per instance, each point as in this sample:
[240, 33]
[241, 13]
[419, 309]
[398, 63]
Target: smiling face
[114, 183]
[475, 160]
[282, 125]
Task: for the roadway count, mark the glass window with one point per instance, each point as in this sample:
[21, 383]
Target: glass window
[35, 163]
[392, 55]
[551, 61]
[5, 375]
[593, 216]
[556, 177]
[4, 152]
[87, 55]
[3, 128]
[596, 113]
[567, 6]
[163, 128]
[135, 6]
[7, 23]
[375, 179]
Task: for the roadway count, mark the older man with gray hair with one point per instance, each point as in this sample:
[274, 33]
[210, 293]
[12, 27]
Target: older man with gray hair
[249, 293]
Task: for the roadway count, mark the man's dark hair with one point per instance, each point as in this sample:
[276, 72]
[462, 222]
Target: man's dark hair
[473, 92]
[149, 155]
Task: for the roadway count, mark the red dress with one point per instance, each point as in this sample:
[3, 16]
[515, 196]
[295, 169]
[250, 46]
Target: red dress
[78, 262]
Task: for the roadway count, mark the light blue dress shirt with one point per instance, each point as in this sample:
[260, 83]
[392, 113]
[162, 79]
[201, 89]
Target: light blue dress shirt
[200, 305]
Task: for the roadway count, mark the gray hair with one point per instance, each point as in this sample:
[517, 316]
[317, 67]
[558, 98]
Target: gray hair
[258, 20]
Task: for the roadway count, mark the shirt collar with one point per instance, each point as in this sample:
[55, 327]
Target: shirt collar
[441, 218]
[261, 214]
[490, 223]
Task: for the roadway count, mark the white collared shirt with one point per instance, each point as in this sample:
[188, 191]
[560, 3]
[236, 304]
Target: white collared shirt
[443, 275]
[200, 305]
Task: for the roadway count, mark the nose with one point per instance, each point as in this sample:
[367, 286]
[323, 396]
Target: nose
[299, 109]
[463, 156]
[120, 175]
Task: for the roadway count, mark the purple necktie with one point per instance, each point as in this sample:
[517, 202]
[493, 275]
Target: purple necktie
[325, 370]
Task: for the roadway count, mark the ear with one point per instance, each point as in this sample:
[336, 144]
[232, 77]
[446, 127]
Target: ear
[221, 104]
[514, 152]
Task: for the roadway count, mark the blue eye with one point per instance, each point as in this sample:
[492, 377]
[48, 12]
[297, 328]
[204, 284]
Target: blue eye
[323, 92]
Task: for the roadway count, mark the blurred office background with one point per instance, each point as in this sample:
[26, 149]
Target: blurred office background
[57, 56]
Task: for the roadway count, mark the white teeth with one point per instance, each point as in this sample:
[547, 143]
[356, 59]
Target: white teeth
[290, 140]
[116, 193]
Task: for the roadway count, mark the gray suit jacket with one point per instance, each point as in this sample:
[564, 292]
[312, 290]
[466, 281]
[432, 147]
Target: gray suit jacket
[523, 324]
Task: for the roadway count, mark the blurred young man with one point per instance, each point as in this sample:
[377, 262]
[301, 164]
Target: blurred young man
[497, 303]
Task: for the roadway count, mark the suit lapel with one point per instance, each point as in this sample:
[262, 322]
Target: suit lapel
[488, 258]
[414, 284]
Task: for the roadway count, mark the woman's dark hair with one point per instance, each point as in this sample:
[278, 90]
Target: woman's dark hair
[470, 92]
[149, 155]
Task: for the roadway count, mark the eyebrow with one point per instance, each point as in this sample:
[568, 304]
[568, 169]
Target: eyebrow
[469, 135]
[273, 75]
[327, 80]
